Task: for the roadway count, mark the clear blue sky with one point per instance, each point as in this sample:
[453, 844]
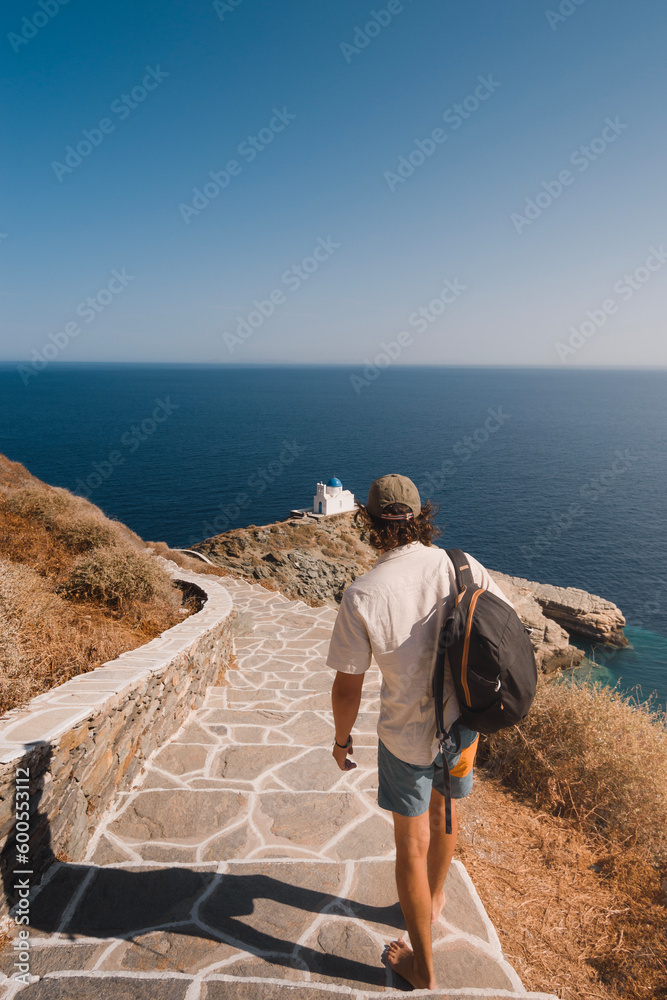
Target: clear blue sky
[330, 174]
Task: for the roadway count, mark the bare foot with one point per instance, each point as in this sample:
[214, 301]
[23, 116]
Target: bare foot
[402, 961]
[437, 906]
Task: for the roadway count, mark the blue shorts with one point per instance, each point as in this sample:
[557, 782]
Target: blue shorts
[406, 788]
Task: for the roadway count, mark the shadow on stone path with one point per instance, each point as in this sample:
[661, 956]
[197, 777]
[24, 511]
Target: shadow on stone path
[244, 864]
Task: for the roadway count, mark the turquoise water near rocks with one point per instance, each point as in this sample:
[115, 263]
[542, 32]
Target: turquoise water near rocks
[639, 671]
[555, 475]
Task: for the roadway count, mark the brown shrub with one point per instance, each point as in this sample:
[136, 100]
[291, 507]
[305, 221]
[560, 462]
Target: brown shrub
[586, 753]
[302, 534]
[117, 577]
[84, 533]
[332, 549]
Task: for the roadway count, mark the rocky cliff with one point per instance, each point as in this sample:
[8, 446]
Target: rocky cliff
[579, 612]
[316, 559]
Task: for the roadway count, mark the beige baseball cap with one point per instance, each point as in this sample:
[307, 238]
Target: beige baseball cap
[392, 489]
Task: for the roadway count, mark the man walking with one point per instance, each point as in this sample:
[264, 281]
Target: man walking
[394, 613]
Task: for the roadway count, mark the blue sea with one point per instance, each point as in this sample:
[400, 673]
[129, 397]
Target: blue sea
[553, 475]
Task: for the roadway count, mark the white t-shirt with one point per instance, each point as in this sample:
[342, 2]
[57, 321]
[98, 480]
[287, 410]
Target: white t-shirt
[394, 613]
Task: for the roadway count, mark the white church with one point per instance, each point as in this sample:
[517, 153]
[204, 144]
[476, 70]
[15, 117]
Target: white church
[330, 498]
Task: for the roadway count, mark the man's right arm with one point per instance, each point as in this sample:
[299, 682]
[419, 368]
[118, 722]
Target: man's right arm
[345, 701]
[350, 656]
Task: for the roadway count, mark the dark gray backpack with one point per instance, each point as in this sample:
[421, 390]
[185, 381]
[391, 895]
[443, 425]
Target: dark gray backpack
[490, 656]
[491, 659]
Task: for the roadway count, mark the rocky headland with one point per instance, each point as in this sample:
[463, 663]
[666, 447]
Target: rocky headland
[316, 559]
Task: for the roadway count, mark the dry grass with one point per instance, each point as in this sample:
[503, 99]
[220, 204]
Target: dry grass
[76, 589]
[571, 861]
[586, 753]
[332, 549]
[63, 514]
[116, 577]
[572, 919]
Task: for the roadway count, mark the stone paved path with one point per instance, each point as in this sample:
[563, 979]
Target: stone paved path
[244, 865]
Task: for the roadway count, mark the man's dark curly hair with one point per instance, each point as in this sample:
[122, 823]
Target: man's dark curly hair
[386, 535]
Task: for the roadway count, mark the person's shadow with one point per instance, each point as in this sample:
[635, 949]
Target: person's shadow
[121, 903]
[80, 899]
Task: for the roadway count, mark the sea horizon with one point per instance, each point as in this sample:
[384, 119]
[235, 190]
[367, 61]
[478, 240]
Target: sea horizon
[214, 462]
[12, 362]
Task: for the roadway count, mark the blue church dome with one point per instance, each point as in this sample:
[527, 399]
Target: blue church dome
[335, 482]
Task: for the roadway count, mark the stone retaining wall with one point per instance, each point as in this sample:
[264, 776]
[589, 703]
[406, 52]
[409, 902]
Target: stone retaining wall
[87, 739]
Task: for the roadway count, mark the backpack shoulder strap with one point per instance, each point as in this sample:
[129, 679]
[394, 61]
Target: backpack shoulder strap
[464, 580]
[464, 577]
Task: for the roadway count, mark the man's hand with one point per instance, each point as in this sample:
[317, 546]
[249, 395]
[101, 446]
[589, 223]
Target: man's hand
[340, 755]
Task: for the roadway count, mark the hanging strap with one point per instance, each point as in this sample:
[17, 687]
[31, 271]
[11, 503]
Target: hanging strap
[448, 795]
[446, 775]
